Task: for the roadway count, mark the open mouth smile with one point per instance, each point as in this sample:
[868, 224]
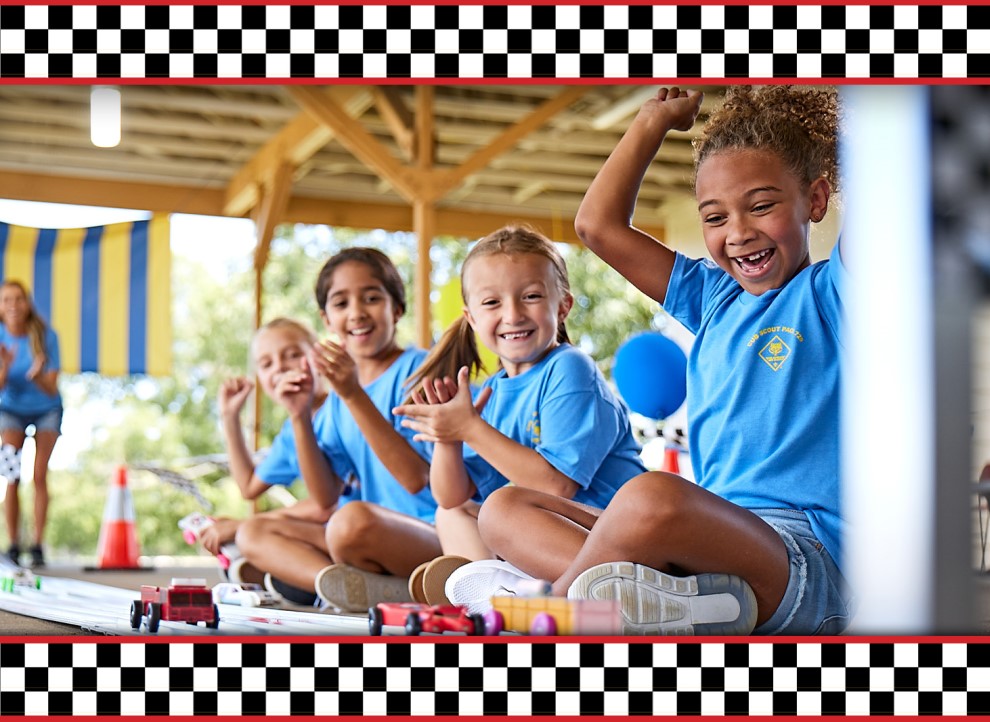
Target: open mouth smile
[516, 335]
[754, 263]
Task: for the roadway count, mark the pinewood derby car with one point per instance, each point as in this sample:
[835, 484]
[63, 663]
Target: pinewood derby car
[549, 616]
[246, 595]
[184, 600]
[419, 618]
[19, 578]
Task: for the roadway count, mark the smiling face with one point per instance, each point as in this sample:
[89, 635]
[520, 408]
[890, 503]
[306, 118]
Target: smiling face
[14, 306]
[755, 216]
[276, 351]
[514, 304]
[361, 312]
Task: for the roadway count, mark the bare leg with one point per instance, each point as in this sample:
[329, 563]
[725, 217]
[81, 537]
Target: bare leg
[11, 502]
[306, 509]
[376, 539]
[44, 444]
[671, 524]
[12, 508]
[458, 531]
[538, 533]
[291, 549]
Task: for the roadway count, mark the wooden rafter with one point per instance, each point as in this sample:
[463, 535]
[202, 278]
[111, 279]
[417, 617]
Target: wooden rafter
[169, 198]
[356, 139]
[506, 139]
[397, 117]
[425, 135]
[271, 211]
[424, 216]
[296, 143]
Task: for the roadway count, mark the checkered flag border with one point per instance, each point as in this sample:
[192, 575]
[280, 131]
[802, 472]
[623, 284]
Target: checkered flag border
[446, 677]
[508, 41]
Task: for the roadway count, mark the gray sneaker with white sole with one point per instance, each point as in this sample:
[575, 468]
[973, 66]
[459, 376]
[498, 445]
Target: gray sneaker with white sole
[350, 589]
[655, 603]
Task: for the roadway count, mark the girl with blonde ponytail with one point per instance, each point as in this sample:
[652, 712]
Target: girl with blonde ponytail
[545, 422]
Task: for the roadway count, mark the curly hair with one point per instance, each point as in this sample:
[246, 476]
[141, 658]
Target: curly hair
[800, 124]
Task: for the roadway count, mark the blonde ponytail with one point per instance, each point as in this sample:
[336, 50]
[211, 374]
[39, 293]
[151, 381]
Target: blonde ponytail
[456, 348]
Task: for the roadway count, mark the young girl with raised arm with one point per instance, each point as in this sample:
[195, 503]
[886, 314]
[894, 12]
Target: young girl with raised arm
[366, 551]
[545, 423]
[278, 347]
[763, 377]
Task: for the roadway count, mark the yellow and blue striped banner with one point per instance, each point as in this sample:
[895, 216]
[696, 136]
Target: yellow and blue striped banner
[105, 290]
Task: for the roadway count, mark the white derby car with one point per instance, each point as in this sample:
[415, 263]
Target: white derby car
[246, 595]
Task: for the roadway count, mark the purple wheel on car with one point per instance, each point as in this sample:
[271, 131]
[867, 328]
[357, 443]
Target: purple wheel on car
[543, 625]
[494, 622]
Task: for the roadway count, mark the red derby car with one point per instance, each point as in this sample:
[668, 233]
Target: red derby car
[418, 618]
[184, 600]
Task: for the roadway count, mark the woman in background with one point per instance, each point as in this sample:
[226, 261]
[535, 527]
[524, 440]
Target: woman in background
[29, 366]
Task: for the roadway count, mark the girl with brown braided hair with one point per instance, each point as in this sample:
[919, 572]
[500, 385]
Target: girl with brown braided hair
[756, 542]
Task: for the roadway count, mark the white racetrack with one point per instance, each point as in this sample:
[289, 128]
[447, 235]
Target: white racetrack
[103, 609]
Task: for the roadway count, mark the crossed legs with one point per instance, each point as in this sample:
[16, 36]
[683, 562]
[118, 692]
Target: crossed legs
[657, 519]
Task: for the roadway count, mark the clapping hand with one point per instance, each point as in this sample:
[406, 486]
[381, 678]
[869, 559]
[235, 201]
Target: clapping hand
[442, 409]
[332, 361]
[294, 390]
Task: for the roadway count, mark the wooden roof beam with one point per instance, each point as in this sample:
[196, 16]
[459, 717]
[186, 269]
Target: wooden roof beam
[164, 198]
[397, 118]
[356, 139]
[425, 122]
[296, 143]
[447, 180]
[271, 212]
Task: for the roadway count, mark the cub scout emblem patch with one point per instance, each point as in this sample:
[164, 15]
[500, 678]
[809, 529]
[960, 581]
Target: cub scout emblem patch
[775, 353]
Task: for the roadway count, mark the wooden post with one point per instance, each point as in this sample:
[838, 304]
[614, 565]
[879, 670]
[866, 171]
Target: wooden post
[424, 223]
[424, 216]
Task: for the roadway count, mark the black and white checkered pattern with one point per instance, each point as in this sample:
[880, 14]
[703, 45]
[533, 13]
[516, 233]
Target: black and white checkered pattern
[514, 677]
[10, 462]
[510, 41]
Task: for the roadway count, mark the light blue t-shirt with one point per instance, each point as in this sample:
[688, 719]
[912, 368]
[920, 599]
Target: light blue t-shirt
[563, 408]
[763, 389]
[280, 467]
[20, 395]
[344, 445]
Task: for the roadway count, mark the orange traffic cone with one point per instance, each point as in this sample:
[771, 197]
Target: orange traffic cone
[118, 544]
[671, 459]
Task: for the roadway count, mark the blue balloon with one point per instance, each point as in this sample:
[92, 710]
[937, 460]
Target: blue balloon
[651, 373]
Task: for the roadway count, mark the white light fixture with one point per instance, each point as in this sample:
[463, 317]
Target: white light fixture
[104, 116]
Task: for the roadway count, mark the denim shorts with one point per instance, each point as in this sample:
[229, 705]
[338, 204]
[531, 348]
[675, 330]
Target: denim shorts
[817, 599]
[45, 421]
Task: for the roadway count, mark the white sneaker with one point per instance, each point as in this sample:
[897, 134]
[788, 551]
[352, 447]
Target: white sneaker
[473, 585]
[657, 603]
[241, 571]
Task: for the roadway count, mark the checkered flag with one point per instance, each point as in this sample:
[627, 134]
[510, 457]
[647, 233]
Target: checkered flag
[10, 463]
